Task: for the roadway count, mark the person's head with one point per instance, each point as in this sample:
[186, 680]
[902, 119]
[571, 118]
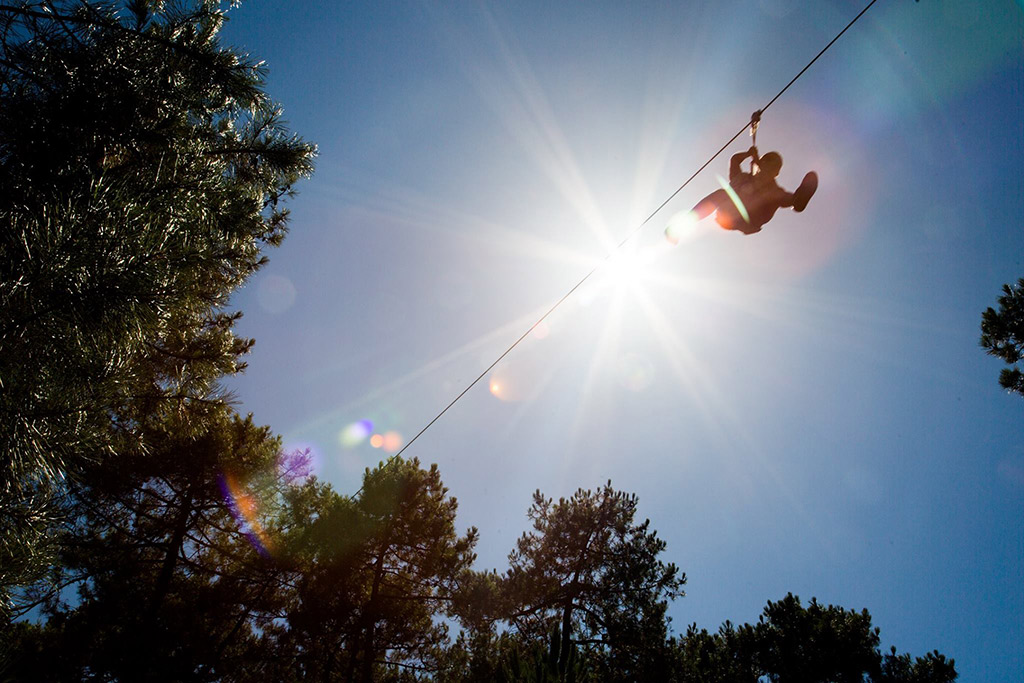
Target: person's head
[770, 163]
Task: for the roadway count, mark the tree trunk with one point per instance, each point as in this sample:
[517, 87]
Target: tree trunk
[369, 646]
[163, 582]
[147, 631]
[369, 618]
[563, 651]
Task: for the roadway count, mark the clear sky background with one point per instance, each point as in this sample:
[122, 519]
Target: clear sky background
[806, 409]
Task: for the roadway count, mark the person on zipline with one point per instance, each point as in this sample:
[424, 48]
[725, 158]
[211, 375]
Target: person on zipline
[752, 199]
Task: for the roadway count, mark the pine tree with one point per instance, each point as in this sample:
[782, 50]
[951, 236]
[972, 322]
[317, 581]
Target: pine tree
[793, 643]
[377, 569]
[588, 567]
[142, 170]
[174, 560]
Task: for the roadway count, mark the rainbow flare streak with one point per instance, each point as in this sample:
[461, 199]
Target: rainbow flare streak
[734, 197]
[245, 508]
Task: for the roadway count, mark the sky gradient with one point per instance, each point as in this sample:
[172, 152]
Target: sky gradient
[806, 409]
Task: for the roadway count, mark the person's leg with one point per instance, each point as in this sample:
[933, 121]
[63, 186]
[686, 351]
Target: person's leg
[684, 223]
[711, 203]
[729, 218]
[730, 215]
[806, 190]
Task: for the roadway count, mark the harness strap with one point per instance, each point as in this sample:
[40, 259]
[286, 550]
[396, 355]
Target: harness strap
[755, 120]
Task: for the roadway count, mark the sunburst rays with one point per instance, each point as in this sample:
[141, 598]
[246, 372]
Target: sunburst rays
[638, 280]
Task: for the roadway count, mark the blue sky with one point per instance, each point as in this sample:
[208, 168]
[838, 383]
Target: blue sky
[806, 409]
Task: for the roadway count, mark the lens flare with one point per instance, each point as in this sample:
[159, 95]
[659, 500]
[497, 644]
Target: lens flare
[392, 441]
[295, 466]
[356, 433]
[513, 383]
[310, 451]
[737, 202]
[244, 508]
[276, 294]
[682, 227]
[377, 440]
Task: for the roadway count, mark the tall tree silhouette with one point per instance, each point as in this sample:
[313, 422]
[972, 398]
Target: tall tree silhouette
[173, 557]
[376, 570]
[793, 643]
[727, 656]
[588, 567]
[142, 169]
[815, 643]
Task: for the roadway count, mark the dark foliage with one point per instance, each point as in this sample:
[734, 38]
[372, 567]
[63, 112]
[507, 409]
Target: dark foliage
[1002, 334]
[141, 173]
[796, 644]
[373, 573]
[591, 569]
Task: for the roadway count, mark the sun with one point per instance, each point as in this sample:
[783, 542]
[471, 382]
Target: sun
[626, 269]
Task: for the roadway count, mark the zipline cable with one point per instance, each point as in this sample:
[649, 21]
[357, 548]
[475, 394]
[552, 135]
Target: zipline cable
[628, 237]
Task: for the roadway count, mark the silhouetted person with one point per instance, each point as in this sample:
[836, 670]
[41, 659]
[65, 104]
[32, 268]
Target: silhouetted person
[755, 197]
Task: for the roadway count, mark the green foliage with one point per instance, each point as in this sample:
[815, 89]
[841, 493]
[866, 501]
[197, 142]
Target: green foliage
[374, 572]
[792, 643]
[509, 658]
[142, 169]
[1002, 334]
[815, 643]
[533, 663]
[590, 568]
[724, 657]
[167, 583]
[354, 588]
[932, 668]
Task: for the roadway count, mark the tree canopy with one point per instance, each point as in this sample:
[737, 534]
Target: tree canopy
[142, 169]
[274, 576]
[372, 574]
[588, 567]
[792, 643]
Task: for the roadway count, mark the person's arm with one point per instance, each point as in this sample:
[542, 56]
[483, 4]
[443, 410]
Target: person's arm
[738, 159]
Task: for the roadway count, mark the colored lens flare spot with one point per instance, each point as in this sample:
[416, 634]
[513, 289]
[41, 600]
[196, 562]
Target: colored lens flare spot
[296, 465]
[514, 383]
[377, 440]
[276, 294]
[244, 508]
[355, 433]
[392, 442]
[682, 227]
